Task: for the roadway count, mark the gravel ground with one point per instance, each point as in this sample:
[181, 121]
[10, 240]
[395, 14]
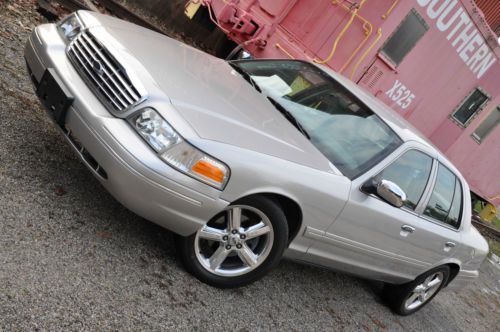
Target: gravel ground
[72, 258]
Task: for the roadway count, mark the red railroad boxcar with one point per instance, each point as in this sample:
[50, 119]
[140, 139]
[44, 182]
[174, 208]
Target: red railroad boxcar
[433, 61]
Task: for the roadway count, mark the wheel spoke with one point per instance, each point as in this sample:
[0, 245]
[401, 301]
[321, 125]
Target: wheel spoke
[211, 233]
[247, 256]
[412, 299]
[218, 257]
[424, 291]
[257, 230]
[234, 218]
[427, 281]
[434, 283]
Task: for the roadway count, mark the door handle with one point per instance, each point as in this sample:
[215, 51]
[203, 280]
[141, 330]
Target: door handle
[450, 244]
[408, 229]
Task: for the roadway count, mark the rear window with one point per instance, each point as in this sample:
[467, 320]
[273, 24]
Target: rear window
[445, 204]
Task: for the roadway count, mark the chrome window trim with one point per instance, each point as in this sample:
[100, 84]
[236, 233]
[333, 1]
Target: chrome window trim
[440, 223]
[426, 195]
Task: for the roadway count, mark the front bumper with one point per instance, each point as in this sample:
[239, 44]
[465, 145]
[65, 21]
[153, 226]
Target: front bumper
[115, 154]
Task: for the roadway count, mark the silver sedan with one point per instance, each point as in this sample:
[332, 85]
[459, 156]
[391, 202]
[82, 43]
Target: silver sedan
[251, 161]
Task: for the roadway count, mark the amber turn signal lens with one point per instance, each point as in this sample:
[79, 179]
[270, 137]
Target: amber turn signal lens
[208, 170]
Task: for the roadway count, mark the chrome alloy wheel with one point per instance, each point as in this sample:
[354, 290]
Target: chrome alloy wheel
[424, 291]
[235, 242]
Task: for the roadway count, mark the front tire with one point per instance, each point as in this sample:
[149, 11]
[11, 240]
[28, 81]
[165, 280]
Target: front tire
[239, 245]
[410, 297]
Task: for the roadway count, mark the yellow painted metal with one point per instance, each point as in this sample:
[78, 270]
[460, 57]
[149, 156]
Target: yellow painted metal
[278, 46]
[389, 11]
[192, 8]
[367, 26]
[341, 34]
[379, 35]
[368, 33]
[488, 212]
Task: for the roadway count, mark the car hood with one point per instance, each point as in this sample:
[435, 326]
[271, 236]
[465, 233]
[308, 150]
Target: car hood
[213, 98]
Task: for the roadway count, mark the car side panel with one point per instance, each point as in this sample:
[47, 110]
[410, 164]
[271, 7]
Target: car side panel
[320, 195]
[367, 239]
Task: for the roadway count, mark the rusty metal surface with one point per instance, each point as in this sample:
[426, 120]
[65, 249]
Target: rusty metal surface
[491, 11]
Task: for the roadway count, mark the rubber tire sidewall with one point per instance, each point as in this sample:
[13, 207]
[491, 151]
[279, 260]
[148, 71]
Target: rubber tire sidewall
[186, 248]
[396, 295]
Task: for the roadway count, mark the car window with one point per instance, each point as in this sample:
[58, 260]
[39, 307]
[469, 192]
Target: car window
[456, 207]
[445, 204]
[410, 172]
[339, 125]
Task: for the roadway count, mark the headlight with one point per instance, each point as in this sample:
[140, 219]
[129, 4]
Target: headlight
[156, 131]
[70, 26]
[178, 153]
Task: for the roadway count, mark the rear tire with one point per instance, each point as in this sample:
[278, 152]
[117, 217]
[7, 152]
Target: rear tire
[238, 246]
[410, 297]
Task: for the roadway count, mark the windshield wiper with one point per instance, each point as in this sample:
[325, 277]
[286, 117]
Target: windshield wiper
[245, 75]
[289, 116]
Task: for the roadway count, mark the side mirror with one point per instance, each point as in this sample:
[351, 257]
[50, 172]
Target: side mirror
[387, 190]
[370, 187]
[391, 193]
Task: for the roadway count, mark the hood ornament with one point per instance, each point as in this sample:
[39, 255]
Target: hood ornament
[98, 68]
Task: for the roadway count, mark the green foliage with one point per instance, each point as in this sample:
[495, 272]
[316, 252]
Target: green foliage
[494, 247]
[478, 206]
[496, 222]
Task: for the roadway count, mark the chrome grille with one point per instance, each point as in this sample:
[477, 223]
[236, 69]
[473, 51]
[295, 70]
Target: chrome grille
[103, 73]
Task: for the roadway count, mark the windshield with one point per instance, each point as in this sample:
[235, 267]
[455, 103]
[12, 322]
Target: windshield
[346, 131]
